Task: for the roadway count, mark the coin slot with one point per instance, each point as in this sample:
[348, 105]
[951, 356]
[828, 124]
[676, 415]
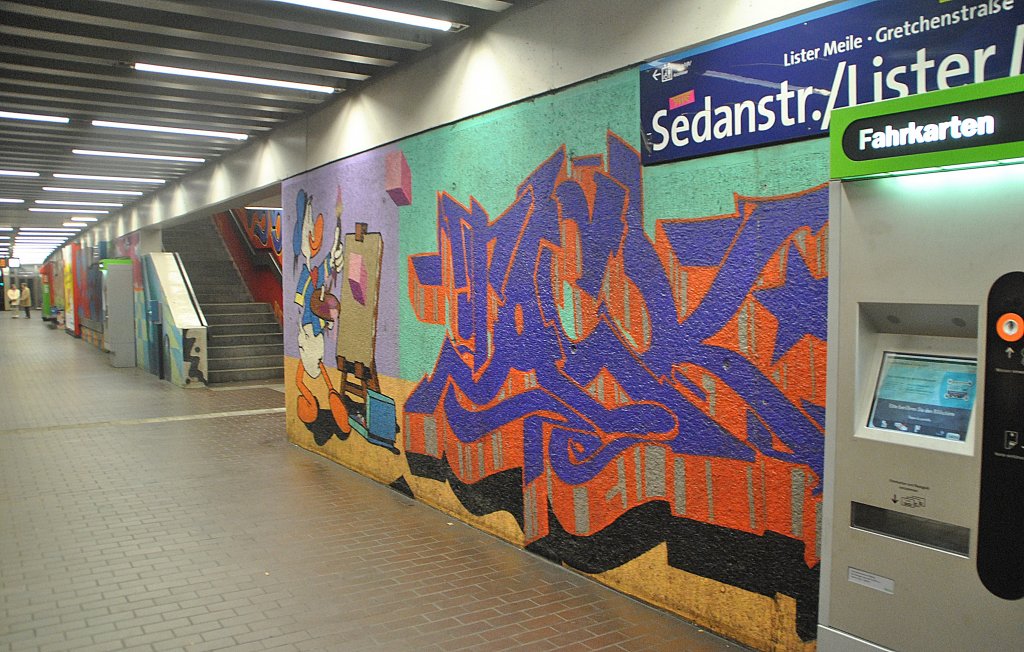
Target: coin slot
[1010, 327]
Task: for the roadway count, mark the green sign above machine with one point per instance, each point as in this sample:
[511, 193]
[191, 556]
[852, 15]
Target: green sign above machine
[963, 126]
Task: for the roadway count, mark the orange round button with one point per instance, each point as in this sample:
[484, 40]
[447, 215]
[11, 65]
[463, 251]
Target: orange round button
[1010, 327]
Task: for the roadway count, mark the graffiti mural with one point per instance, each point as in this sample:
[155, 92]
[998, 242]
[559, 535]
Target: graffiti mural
[615, 391]
[263, 229]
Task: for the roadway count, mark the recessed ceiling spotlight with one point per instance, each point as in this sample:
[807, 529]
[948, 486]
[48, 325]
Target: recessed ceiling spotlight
[55, 202]
[169, 130]
[153, 157]
[377, 14]
[34, 117]
[96, 177]
[203, 74]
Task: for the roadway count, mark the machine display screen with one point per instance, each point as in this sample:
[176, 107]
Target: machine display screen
[924, 395]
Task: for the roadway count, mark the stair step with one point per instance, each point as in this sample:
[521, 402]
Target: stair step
[243, 328]
[237, 308]
[225, 318]
[256, 373]
[219, 297]
[235, 340]
[211, 267]
[214, 284]
[245, 350]
[247, 362]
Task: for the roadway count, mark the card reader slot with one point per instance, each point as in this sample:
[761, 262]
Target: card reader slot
[915, 529]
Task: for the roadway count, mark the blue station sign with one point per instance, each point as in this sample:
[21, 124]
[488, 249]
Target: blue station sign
[781, 82]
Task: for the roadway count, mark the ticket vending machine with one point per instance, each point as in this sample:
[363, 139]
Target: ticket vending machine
[118, 311]
[923, 523]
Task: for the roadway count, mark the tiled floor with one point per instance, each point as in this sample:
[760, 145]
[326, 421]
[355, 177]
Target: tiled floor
[136, 515]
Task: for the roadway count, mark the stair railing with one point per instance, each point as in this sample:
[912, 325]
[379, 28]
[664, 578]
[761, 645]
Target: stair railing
[188, 285]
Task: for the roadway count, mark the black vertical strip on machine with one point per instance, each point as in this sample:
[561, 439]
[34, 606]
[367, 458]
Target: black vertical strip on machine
[1001, 510]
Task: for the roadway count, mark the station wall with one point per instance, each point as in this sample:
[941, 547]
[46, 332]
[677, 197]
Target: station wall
[619, 368]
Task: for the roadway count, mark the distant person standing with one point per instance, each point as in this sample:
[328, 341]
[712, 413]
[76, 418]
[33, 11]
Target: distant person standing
[26, 300]
[14, 296]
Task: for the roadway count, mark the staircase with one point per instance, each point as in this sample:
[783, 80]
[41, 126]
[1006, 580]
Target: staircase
[243, 339]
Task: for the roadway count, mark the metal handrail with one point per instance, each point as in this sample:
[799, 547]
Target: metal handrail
[191, 292]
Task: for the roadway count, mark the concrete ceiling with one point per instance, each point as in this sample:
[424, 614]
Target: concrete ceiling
[75, 60]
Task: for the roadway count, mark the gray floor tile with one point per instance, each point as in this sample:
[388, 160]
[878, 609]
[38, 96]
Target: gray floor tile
[137, 515]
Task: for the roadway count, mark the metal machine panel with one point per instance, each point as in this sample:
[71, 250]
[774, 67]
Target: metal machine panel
[119, 312]
[912, 262]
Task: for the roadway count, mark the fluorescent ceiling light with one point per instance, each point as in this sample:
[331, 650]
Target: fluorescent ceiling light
[153, 157]
[35, 117]
[242, 79]
[17, 173]
[6, 228]
[55, 202]
[94, 177]
[75, 225]
[32, 258]
[68, 210]
[5, 200]
[80, 218]
[93, 191]
[374, 13]
[262, 208]
[169, 130]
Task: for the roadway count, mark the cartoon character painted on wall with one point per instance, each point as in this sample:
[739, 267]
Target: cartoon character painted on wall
[319, 306]
[338, 289]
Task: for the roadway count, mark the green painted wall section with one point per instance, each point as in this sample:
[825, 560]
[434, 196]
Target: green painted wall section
[705, 186]
[488, 156]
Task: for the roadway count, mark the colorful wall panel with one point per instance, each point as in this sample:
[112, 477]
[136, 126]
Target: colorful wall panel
[146, 337]
[69, 256]
[182, 333]
[621, 369]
